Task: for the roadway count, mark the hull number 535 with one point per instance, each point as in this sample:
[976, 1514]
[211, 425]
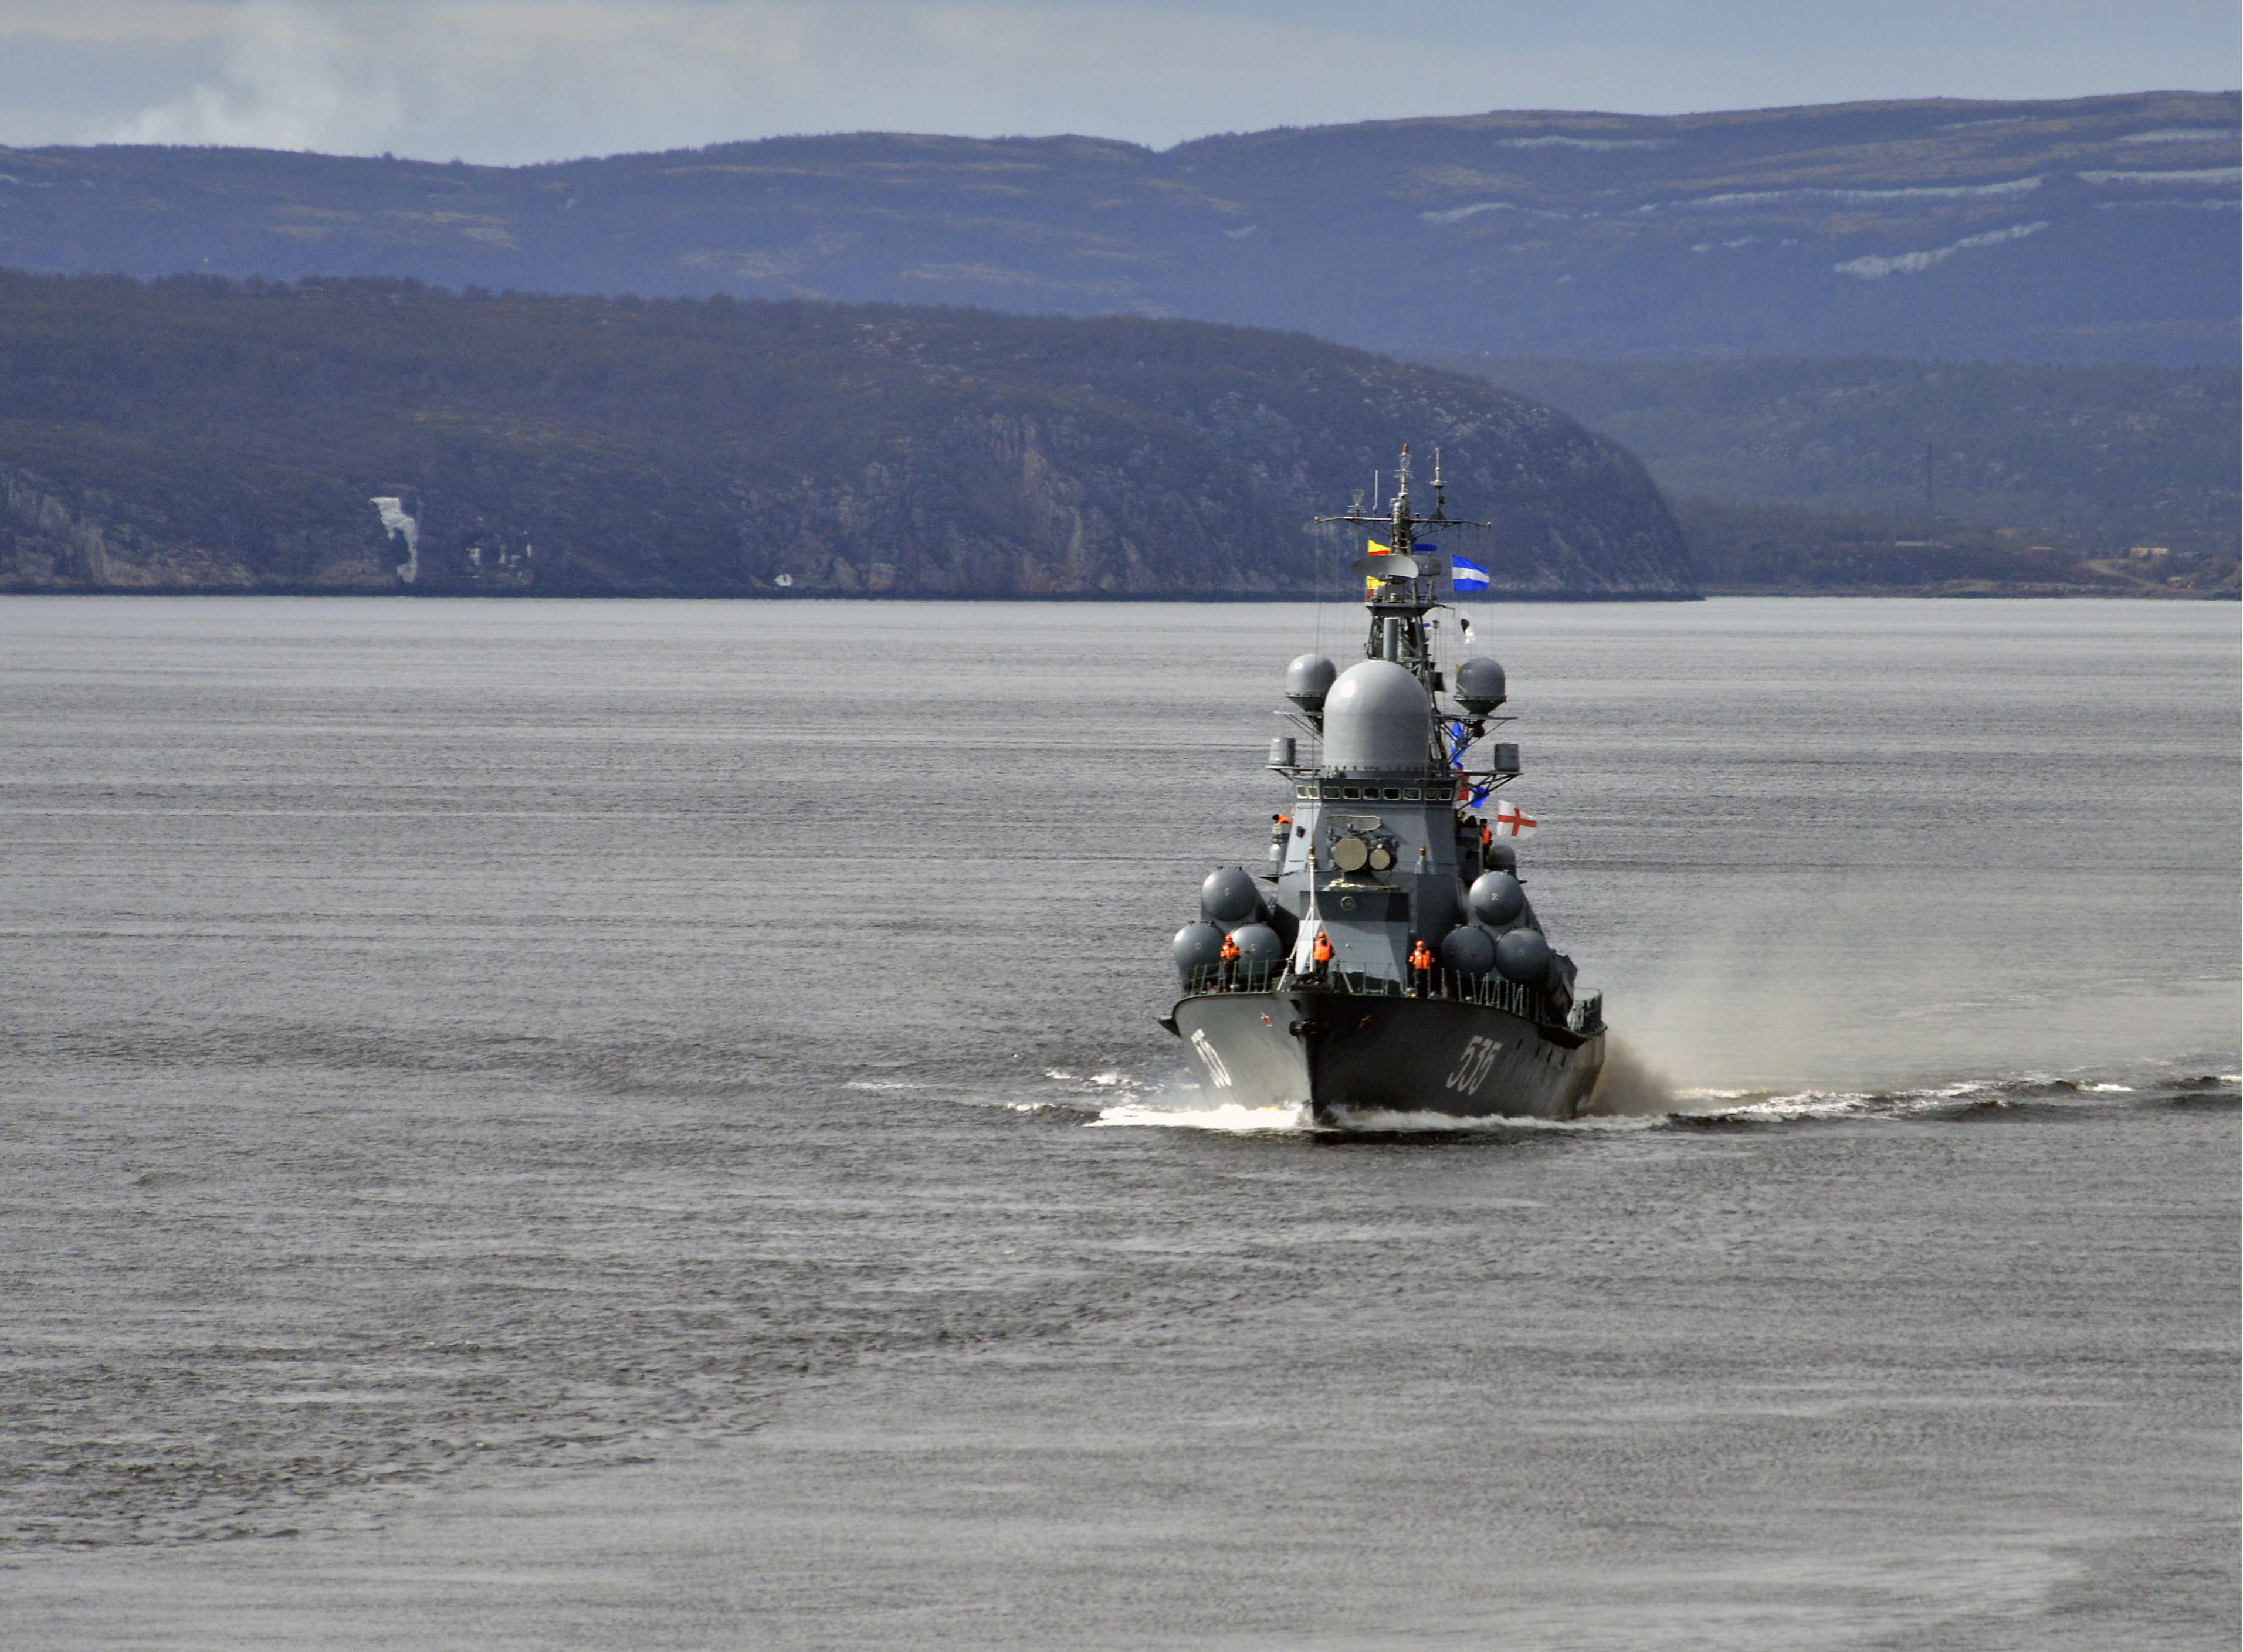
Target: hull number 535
[1473, 1067]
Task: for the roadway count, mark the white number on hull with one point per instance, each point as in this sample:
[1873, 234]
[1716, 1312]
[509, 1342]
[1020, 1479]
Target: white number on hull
[1216, 1069]
[1473, 1066]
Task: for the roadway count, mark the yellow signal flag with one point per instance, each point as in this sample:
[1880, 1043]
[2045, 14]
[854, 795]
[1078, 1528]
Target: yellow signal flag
[1371, 582]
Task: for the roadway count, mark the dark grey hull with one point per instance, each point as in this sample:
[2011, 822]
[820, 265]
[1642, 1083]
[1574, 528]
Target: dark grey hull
[1340, 1053]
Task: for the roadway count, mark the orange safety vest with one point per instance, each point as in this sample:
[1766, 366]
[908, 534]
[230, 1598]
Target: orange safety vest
[1323, 950]
[1421, 956]
[1230, 950]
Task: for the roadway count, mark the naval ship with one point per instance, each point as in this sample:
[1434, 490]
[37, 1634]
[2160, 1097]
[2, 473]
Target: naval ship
[1387, 958]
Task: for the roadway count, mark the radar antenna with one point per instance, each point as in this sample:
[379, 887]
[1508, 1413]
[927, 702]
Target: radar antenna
[1401, 584]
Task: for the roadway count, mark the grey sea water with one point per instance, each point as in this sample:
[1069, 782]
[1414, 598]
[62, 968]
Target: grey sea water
[641, 1125]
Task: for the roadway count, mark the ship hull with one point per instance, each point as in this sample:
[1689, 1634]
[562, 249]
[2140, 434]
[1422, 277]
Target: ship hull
[1340, 1054]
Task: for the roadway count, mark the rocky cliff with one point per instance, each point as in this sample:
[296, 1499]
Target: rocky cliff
[194, 434]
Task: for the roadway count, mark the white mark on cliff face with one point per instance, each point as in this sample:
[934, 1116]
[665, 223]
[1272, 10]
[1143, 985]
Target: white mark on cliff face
[1876, 269]
[2180, 135]
[397, 520]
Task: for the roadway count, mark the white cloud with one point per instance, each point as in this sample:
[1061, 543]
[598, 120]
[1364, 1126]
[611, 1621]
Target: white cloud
[1874, 269]
[283, 84]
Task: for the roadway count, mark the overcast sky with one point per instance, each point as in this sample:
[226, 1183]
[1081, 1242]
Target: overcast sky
[526, 80]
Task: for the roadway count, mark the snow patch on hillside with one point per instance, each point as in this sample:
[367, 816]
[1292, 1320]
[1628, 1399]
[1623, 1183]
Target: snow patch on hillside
[1455, 213]
[2207, 206]
[1876, 269]
[2204, 175]
[1862, 197]
[1553, 141]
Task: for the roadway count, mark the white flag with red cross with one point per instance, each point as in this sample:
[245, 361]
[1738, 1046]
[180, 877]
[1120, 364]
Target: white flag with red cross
[1512, 820]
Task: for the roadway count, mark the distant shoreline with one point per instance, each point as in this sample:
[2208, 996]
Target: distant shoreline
[2050, 593]
[1534, 599]
[828, 597]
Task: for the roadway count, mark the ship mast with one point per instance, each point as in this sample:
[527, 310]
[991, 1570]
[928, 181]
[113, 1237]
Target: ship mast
[1403, 584]
[1403, 587]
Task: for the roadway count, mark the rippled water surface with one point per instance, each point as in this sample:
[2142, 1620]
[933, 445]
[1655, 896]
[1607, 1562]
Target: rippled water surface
[639, 1124]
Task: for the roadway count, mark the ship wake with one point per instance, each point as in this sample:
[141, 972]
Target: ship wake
[1186, 1111]
[2018, 1097]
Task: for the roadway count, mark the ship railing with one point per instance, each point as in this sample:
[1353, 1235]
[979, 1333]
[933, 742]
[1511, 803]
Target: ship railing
[1491, 990]
[1245, 976]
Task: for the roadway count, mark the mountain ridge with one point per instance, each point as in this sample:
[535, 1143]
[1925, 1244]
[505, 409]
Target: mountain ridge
[2104, 456]
[2061, 230]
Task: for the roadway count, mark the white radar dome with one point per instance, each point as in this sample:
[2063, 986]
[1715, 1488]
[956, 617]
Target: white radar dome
[1377, 716]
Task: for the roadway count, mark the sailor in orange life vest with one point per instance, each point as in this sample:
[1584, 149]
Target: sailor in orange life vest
[1421, 966]
[1322, 953]
[1229, 959]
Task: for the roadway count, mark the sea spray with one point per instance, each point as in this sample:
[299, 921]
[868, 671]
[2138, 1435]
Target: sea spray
[1628, 1086]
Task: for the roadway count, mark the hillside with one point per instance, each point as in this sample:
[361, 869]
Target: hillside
[2098, 229]
[2086, 462]
[197, 435]
[1755, 547]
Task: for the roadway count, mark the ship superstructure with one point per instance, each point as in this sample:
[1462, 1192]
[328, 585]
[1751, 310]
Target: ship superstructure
[1387, 957]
